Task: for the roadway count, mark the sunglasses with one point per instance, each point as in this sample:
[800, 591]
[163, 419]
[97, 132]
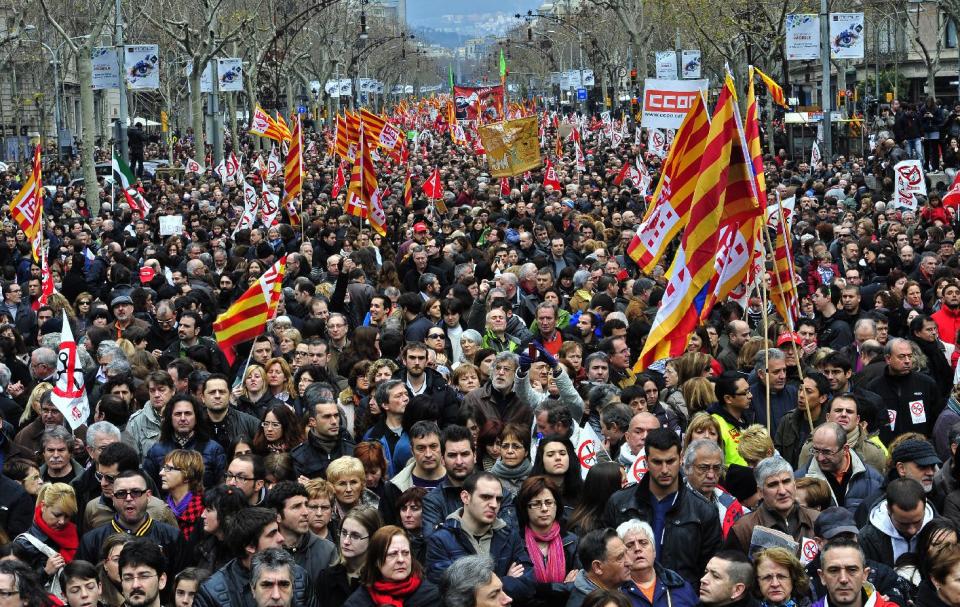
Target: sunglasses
[435, 335]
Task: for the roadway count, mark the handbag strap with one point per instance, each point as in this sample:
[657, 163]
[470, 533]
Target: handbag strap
[46, 550]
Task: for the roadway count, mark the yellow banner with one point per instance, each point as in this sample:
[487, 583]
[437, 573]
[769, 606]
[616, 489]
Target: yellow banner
[512, 146]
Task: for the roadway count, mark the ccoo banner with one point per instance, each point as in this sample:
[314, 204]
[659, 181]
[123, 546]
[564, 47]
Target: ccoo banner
[667, 65]
[803, 37]
[141, 63]
[666, 102]
[846, 35]
[230, 74]
[106, 68]
[690, 63]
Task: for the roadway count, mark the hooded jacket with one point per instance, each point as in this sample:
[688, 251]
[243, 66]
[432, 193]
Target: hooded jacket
[880, 539]
[671, 591]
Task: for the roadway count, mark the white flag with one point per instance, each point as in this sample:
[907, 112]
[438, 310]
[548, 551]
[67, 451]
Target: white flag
[69, 395]
[815, 156]
[194, 167]
[274, 166]
[590, 450]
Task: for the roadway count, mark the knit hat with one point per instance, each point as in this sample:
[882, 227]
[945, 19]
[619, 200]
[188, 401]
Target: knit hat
[739, 482]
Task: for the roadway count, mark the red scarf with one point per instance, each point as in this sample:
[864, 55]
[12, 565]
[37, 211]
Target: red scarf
[66, 539]
[386, 593]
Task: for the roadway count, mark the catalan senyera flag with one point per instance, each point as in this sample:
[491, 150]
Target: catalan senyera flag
[669, 209]
[264, 125]
[340, 140]
[776, 91]
[353, 134]
[27, 206]
[372, 125]
[783, 289]
[693, 267]
[744, 210]
[247, 317]
[408, 192]
[363, 179]
[293, 172]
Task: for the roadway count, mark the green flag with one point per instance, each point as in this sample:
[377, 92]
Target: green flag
[503, 66]
[450, 68]
[122, 174]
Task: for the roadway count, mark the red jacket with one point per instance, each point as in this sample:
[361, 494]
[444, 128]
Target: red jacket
[948, 323]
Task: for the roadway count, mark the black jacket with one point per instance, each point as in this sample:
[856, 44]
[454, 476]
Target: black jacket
[230, 587]
[900, 392]
[16, 507]
[883, 578]
[691, 533]
[335, 587]
[427, 595]
[444, 397]
[167, 537]
[311, 461]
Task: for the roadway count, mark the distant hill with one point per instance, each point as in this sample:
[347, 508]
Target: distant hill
[449, 24]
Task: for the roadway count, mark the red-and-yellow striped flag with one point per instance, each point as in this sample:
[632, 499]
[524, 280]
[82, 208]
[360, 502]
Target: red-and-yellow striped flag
[341, 143]
[264, 125]
[372, 125]
[247, 317]
[293, 172]
[693, 267]
[776, 91]
[408, 192]
[27, 206]
[669, 209]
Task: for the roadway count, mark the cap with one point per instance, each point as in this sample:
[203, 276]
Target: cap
[919, 452]
[568, 203]
[120, 299]
[420, 227]
[787, 337]
[739, 482]
[834, 521]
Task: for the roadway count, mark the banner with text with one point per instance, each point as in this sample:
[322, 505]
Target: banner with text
[667, 65]
[512, 146]
[474, 101]
[803, 37]
[666, 102]
[106, 68]
[141, 63]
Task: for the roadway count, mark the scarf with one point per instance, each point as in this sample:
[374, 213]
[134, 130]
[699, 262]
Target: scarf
[505, 472]
[385, 593]
[66, 539]
[953, 405]
[853, 437]
[179, 507]
[555, 569]
[790, 603]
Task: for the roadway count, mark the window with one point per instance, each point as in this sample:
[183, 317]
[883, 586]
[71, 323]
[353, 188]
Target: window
[950, 34]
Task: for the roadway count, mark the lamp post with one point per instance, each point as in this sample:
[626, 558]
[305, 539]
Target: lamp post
[58, 108]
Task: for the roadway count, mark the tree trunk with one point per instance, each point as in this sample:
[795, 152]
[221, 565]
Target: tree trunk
[232, 108]
[88, 125]
[196, 114]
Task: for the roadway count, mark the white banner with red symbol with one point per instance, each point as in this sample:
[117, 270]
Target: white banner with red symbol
[590, 449]
[69, 395]
[909, 184]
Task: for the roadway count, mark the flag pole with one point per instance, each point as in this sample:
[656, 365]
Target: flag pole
[766, 347]
[113, 182]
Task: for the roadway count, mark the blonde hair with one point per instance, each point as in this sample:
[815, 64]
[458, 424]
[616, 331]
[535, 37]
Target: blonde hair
[293, 335]
[190, 462]
[318, 488]
[287, 373]
[345, 467]
[755, 444]
[33, 402]
[698, 423]
[698, 394]
[246, 374]
[60, 495]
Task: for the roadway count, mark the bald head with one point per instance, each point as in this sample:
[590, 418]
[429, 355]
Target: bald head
[738, 332]
[640, 424]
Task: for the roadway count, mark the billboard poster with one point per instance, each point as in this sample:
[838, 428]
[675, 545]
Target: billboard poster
[666, 65]
[141, 64]
[230, 74]
[690, 64]
[846, 35]
[803, 37]
[106, 68]
[479, 103]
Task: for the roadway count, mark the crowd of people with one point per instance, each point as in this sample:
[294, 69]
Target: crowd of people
[408, 429]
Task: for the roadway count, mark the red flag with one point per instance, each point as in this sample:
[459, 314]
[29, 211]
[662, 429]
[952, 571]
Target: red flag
[433, 187]
[504, 186]
[46, 288]
[339, 183]
[952, 197]
[550, 177]
[624, 173]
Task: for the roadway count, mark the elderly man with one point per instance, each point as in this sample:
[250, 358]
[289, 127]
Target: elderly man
[30, 436]
[844, 409]
[122, 309]
[851, 481]
[636, 436]
[604, 558]
[637, 536]
[497, 399]
[55, 447]
[272, 578]
[779, 508]
[471, 582]
[703, 467]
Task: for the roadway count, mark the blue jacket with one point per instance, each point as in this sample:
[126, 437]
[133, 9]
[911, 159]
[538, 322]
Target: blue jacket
[397, 457]
[230, 587]
[214, 459]
[669, 583]
[450, 542]
[864, 482]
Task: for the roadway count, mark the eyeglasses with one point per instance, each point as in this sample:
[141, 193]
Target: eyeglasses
[814, 451]
[269, 424]
[123, 494]
[301, 353]
[704, 468]
[83, 303]
[169, 468]
[105, 477]
[140, 577]
[435, 335]
[538, 504]
[230, 476]
[353, 536]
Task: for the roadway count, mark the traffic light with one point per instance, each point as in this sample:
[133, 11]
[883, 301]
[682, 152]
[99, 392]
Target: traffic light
[633, 75]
